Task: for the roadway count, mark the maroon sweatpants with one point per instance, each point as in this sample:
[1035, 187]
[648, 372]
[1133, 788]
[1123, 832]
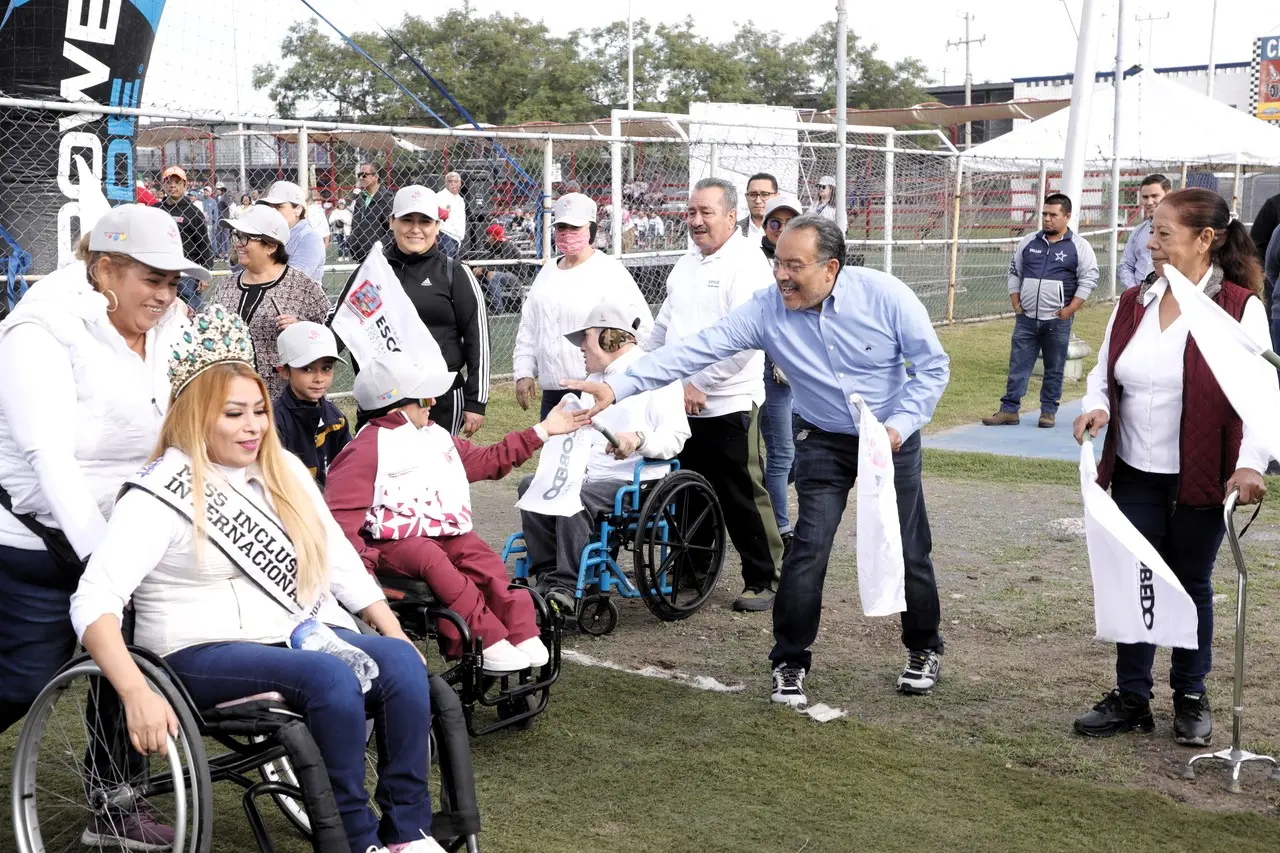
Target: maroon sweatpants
[468, 578]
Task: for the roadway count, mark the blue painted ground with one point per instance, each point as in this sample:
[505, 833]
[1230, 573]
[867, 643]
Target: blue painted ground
[1025, 439]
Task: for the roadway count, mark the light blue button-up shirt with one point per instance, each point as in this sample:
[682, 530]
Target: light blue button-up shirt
[306, 250]
[860, 342]
[1135, 264]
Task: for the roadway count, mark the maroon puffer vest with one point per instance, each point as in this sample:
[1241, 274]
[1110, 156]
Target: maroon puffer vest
[1210, 432]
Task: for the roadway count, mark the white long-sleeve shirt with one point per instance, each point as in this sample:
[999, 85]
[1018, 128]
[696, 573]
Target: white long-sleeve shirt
[182, 599]
[1150, 371]
[701, 290]
[658, 414]
[456, 225]
[79, 410]
[558, 303]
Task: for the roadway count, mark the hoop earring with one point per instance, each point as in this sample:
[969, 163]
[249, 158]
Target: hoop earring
[112, 294]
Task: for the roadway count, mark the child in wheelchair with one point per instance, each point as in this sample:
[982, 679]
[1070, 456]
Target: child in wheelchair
[229, 556]
[401, 493]
[651, 425]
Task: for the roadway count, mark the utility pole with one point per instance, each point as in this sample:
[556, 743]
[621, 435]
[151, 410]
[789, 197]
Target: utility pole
[842, 116]
[1213, 29]
[1150, 20]
[968, 75]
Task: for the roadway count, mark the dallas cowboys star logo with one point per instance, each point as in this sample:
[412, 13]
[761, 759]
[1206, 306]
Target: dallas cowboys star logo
[1059, 256]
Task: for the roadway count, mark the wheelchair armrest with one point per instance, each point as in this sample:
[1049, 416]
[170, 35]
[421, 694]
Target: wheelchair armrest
[406, 587]
[637, 482]
[670, 464]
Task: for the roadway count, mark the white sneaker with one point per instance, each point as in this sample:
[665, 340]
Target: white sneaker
[788, 685]
[502, 658]
[422, 845]
[535, 651]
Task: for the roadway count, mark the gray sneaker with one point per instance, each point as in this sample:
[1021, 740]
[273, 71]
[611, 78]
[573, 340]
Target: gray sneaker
[754, 599]
[139, 829]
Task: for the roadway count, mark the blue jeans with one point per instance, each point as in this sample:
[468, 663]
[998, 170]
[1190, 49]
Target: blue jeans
[826, 469]
[326, 692]
[1188, 538]
[1030, 339]
[779, 446]
[189, 292]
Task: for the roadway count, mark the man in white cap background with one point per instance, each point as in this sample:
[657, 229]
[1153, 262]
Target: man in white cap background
[305, 246]
[310, 427]
[651, 425]
[192, 227]
[453, 223]
[721, 272]
[559, 300]
[450, 303]
[826, 205]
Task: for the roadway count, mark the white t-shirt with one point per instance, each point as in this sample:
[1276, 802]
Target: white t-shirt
[456, 225]
[558, 303]
[316, 219]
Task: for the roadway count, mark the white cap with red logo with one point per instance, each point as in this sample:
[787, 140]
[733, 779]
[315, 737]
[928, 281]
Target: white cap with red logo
[416, 199]
[305, 342]
[146, 234]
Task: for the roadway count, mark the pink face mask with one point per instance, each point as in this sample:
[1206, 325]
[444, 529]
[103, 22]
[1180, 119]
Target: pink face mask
[572, 241]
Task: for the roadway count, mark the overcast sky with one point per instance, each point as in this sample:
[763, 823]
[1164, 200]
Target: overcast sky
[206, 49]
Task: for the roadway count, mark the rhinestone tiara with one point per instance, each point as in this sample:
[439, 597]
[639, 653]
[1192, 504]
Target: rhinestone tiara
[216, 336]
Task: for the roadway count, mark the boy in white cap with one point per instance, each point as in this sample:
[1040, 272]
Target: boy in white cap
[305, 246]
[561, 297]
[401, 493]
[310, 427]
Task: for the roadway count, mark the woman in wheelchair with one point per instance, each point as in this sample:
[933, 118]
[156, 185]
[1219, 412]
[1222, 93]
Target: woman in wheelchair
[236, 571]
[401, 492]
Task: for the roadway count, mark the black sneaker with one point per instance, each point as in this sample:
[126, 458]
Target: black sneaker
[788, 685]
[788, 539]
[924, 670]
[1115, 714]
[1192, 720]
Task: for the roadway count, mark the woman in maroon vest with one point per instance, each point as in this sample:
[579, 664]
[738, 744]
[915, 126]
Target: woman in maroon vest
[1175, 447]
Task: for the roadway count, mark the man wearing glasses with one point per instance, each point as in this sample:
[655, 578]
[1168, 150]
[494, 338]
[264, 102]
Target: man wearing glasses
[193, 228]
[836, 331]
[722, 399]
[370, 214]
[760, 188]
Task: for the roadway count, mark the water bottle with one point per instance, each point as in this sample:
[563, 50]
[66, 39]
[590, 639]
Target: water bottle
[313, 635]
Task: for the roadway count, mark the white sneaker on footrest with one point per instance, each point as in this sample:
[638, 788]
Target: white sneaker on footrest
[535, 651]
[502, 658]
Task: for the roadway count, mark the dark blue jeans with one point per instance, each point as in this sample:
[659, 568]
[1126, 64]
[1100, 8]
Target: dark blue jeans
[826, 469]
[779, 446]
[1033, 338]
[326, 692]
[1188, 538]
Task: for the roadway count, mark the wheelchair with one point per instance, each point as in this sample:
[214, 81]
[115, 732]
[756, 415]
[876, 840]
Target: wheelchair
[674, 528]
[515, 699]
[65, 775]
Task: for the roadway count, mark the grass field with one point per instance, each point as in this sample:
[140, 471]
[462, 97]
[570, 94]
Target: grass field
[625, 764]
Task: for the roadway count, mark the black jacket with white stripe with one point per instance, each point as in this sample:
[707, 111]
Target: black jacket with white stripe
[452, 307]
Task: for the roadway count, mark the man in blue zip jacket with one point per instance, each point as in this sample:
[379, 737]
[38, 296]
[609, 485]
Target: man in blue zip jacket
[1052, 273]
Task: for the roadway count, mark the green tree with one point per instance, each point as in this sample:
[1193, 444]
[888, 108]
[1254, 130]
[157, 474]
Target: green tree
[871, 83]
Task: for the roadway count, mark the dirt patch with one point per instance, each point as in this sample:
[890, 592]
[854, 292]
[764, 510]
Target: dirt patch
[1021, 660]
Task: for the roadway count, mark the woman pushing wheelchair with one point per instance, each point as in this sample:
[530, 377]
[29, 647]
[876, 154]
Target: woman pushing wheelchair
[401, 492]
[239, 576]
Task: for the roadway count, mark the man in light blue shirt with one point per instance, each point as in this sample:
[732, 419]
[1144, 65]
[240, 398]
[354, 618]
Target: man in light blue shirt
[1135, 265]
[305, 247]
[835, 331]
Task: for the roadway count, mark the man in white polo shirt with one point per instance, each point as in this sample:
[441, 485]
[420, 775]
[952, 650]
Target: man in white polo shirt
[720, 273]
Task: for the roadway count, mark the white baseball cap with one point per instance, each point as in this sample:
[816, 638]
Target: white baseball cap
[826, 181]
[261, 221]
[416, 198]
[606, 315]
[397, 376]
[574, 209]
[304, 342]
[146, 234]
[782, 201]
[284, 192]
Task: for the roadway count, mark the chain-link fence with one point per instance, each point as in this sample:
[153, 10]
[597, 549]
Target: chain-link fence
[944, 224]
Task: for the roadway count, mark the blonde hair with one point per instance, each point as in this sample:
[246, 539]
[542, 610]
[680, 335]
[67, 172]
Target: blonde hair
[191, 418]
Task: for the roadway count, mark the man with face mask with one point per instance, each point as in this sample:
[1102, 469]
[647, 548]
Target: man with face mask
[559, 300]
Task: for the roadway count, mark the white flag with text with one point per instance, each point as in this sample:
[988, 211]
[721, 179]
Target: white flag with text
[375, 316]
[881, 570]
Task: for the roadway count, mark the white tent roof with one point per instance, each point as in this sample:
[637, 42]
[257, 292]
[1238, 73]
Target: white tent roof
[1164, 122]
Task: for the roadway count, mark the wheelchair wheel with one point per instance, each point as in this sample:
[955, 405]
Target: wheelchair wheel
[77, 779]
[293, 810]
[679, 545]
[597, 615]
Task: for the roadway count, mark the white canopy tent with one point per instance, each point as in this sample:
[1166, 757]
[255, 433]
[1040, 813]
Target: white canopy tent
[1165, 122]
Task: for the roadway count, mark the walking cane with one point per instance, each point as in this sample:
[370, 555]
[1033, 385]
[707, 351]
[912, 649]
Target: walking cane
[1235, 757]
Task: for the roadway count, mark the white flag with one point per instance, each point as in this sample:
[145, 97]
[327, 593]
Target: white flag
[881, 571]
[556, 488]
[375, 316]
[88, 208]
[1246, 379]
[1136, 597]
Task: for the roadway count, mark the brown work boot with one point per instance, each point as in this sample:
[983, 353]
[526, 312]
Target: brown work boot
[1046, 420]
[1002, 419]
